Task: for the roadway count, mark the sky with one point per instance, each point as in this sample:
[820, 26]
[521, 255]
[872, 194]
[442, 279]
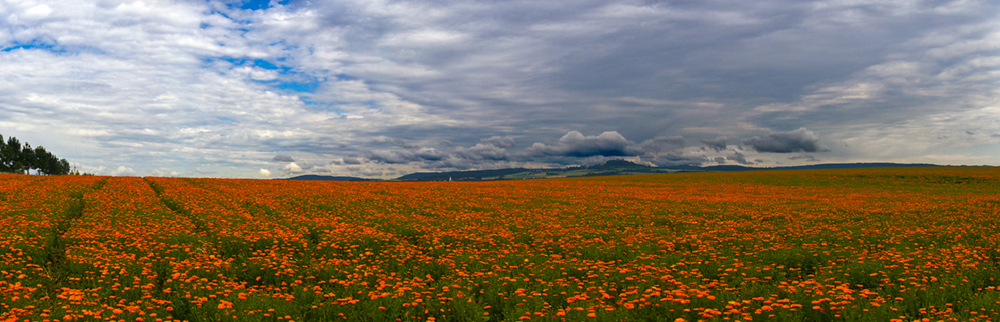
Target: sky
[374, 88]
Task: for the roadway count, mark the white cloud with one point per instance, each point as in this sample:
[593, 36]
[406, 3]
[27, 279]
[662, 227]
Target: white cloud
[123, 171]
[37, 12]
[265, 172]
[292, 168]
[162, 172]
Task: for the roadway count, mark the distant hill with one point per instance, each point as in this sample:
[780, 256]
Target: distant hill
[313, 177]
[463, 175]
[619, 167]
[612, 167]
[720, 168]
[609, 168]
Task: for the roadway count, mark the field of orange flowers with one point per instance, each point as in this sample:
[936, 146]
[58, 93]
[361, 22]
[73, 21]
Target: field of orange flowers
[823, 245]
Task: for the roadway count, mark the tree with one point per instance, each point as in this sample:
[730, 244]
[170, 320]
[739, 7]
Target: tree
[18, 158]
[4, 167]
[28, 159]
[64, 166]
[10, 154]
[47, 163]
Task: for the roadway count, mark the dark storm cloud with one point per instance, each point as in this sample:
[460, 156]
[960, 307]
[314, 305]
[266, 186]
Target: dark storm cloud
[662, 144]
[392, 156]
[676, 158]
[500, 141]
[804, 157]
[801, 140]
[482, 151]
[722, 49]
[655, 69]
[395, 142]
[571, 148]
[430, 154]
[739, 158]
[404, 156]
[718, 144]
[575, 144]
[282, 158]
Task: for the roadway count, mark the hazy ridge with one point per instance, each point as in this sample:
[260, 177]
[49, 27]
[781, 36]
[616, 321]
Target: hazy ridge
[612, 167]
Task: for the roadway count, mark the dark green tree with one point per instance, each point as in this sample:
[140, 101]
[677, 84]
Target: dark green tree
[63, 166]
[48, 164]
[4, 167]
[18, 158]
[12, 156]
[28, 159]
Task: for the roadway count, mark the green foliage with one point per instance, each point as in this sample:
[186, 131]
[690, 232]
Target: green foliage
[18, 158]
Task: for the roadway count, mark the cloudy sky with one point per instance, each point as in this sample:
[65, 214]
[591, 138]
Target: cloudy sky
[373, 88]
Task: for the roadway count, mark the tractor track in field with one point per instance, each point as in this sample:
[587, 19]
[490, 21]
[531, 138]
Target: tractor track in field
[55, 259]
[199, 224]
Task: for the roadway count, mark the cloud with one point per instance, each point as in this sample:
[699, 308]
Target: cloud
[800, 140]
[162, 172]
[662, 144]
[265, 172]
[739, 158]
[500, 141]
[430, 154]
[392, 156]
[123, 171]
[351, 160]
[575, 144]
[677, 158]
[804, 157]
[37, 12]
[292, 168]
[282, 158]
[400, 143]
[370, 170]
[482, 151]
[718, 144]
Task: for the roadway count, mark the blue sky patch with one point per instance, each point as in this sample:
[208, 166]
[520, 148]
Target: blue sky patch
[256, 63]
[297, 87]
[266, 65]
[34, 44]
[315, 103]
[260, 4]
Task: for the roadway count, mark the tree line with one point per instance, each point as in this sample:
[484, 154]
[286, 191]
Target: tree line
[18, 158]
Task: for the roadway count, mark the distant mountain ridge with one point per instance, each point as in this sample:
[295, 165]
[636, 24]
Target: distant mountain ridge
[619, 167]
[611, 167]
[858, 165]
[314, 177]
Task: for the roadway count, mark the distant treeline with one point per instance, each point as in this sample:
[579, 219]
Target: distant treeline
[18, 158]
